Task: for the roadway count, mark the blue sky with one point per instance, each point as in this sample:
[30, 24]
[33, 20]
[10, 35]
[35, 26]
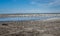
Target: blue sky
[29, 6]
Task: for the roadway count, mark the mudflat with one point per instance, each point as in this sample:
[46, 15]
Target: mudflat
[49, 27]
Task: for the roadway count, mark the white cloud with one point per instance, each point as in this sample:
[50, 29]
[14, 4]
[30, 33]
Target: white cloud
[49, 4]
[55, 3]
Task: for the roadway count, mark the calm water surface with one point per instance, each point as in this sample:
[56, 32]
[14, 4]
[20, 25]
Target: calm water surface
[26, 18]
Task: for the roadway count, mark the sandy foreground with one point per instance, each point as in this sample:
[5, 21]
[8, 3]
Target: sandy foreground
[49, 27]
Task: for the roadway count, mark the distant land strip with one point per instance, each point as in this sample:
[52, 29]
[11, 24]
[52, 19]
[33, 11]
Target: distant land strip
[29, 14]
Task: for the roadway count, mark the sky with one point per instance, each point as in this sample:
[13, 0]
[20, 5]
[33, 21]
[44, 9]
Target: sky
[29, 6]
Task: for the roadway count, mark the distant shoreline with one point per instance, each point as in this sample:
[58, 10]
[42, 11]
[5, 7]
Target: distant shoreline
[32, 13]
[29, 15]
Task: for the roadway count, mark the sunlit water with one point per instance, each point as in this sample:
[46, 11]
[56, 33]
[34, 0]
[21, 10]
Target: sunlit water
[26, 18]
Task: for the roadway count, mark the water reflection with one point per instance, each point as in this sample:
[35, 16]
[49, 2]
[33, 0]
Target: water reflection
[26, 18]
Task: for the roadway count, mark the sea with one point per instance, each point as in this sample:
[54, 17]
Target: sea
[27, 18]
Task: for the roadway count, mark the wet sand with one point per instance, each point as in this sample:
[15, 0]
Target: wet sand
[49, 27]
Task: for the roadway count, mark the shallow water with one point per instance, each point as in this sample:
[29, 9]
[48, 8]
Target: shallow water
[27, 18]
